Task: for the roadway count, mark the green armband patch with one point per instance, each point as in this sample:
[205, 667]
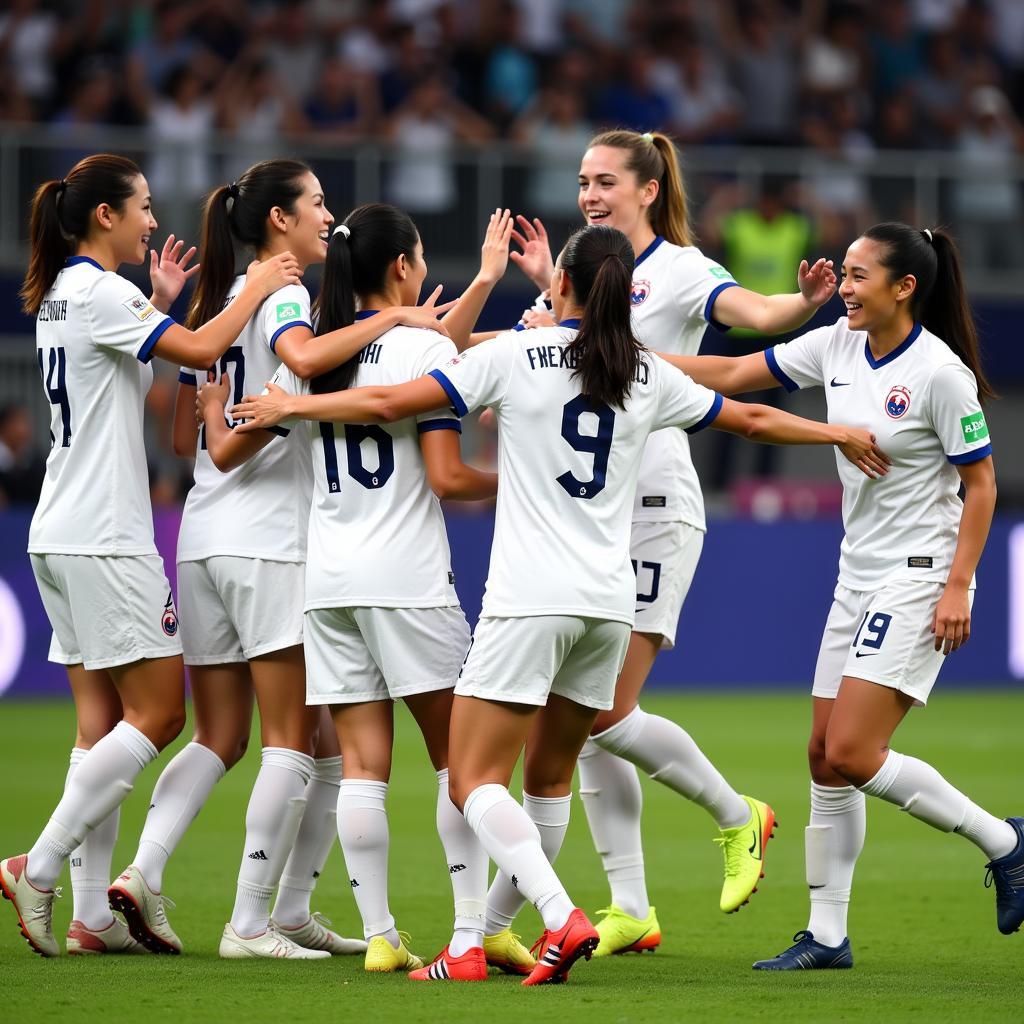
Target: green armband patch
[287, 311]
[974, 427]
[720, 272]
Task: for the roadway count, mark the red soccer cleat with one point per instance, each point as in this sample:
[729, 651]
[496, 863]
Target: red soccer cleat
[560, 950]
[471, 966]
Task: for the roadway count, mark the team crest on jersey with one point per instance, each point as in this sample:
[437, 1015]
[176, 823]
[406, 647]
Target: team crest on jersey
[139, 308]
[639, 292]
[169, 620]
[897, 402]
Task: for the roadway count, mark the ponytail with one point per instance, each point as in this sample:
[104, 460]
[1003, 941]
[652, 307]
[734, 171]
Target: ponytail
[605, 352]
[653, 157]
[238, 212]
[61, 216]
[939, 301]
[335, 308]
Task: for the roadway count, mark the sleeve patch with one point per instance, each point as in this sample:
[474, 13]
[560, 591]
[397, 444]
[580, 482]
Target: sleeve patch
[140, 308]
[287, 311]
[974, 427]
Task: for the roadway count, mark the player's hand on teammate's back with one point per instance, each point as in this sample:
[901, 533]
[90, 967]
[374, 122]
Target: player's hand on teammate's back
[952, 625]
[212, 393]
[167, 272]
[861, 449]
[817, 283]
[535, 261]
[261, 411]
[537, 318]
[277, 272]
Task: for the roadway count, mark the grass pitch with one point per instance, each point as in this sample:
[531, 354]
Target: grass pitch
[922, 925]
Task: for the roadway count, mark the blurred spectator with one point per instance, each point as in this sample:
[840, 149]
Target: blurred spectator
[834, 59]
[703, 108]
[511, 76]
[410, 62]
[936, 15]
[898, 128]
[294, 49]
[28, 36]
[14, 104]
[540, 25]
[896, 46]
[630, 100]
[22, 468]
[939, 92]
[342, 105]
[165, 47]
[366, 45]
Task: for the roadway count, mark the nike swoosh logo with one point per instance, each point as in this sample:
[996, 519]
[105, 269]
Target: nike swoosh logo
[840, 383]
[863, 654]
[756, 844]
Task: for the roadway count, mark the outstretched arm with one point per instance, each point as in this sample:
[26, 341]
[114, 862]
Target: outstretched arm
[728, 375]
[448, 475]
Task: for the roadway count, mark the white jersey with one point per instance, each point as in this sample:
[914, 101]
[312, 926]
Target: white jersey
[261, 508]
[376, 531]
[921, 403]
[567, 470]
[95, 334]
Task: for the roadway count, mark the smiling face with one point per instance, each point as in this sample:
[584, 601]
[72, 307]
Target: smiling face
[611, 194]
[307, 230]
[874, 301]
[129, 229]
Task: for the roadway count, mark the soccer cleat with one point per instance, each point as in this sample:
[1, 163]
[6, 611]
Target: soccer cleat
[471, 966]
[143, 911]
[622, 933]
[743, 850]
[383, 957]
[268, 945]
[315, 934]
[33, 906]
[808, 955]
[504, 951]
[558, 951]
[1007, 874]
[115, 938]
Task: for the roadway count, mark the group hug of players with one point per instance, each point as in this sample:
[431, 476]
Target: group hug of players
[314, 573]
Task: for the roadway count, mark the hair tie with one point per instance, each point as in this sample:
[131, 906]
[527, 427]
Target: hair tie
[648, 136]
[927, 234]
[61, 185]
[233, 190]
[343, 229]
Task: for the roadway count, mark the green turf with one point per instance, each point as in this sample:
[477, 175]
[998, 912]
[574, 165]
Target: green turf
[923, 925]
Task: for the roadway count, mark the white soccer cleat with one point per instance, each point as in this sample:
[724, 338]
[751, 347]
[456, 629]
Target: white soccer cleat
[115, 938]
[33, 906]
[271, 945]
[315, 934]
[143, 911]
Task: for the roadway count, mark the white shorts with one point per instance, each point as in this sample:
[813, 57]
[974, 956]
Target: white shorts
[107, 610]
[362, 654]
[234, 609]
[665, 557]
[521, 661]
[882, 636]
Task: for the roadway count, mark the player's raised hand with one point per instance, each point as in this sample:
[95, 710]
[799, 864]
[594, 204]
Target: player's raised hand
[261, 411]
[860, 449]
[274, 273]
[213, 394]
[535, 260]
[952, 623]
[537, 318]
[817, 283]
[169, 271]
[426, 314]
[494, 253]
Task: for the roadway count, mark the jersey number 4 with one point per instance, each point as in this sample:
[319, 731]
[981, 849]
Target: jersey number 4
[354, 438]
[599, 445]
[54, 374]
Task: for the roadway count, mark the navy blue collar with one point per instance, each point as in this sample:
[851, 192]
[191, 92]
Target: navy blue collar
[897, 351]
[365, 314]
[572, 322]
[647, 252]
[73, 261]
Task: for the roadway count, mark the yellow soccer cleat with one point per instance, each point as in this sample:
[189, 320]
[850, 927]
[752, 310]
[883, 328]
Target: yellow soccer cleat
[384, 958]
[622, 933]
[507, 953]
[743, 849]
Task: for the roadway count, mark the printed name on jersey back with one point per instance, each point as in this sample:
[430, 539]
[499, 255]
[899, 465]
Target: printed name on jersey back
[556, 357]
[52, 310]
[139, 308]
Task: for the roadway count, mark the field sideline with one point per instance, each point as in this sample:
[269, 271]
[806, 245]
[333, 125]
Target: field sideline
[923, 925]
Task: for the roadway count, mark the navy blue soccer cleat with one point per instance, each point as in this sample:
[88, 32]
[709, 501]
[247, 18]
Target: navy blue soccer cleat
[808, 955]
[1007, 874]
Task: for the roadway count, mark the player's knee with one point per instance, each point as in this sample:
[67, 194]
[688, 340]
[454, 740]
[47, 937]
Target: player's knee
[816, 758]
[456, 792]
[846, 756]
[163, 729]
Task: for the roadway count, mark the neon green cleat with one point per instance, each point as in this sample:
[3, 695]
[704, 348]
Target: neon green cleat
[504, 951]
[622, 933]
[743, 850]
[381, 956]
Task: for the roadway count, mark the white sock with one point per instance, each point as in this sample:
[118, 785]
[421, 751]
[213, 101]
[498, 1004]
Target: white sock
[317, 834]
[917, 788]
[271, 823]
[99, 784]
[611, 795]
[668, 754]
[467, 867]
[551, 816]
[90, 864]
[178, 796]
[512, 841]
[363, 831]
[833, 844]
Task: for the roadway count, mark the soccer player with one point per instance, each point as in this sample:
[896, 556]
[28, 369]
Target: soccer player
[633, 182]
[241, 554]
[575, 404]
[383, 620]
[904, 362]
[91, 540]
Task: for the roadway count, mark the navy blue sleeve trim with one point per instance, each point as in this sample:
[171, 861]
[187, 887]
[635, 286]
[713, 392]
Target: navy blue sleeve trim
[280, 431]
[972, 456]
[146, 352]
[286, 327]
[777, 371]
[439, 425]
[710, 304]
[709, 417]
[458, 405]
[187, 378]
[519, 327]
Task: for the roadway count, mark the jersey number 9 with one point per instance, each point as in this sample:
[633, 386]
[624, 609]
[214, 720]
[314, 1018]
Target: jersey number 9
[599, 445]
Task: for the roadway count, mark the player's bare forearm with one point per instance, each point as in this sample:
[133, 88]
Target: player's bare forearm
[227, 448]
[185, 429]
[462, 319]
[975, 521]
[766, 314]
[467, 484]
[728, 375]
[308, 355]
[477, 337]
[773, 426]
